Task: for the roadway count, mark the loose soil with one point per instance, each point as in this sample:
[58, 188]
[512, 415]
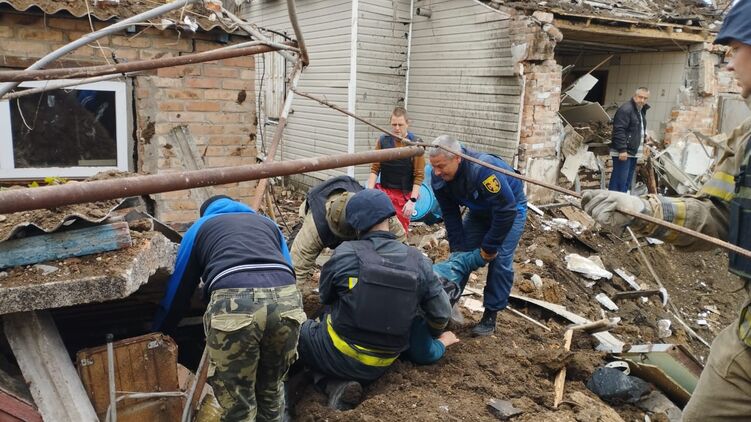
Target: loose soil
[519, 362]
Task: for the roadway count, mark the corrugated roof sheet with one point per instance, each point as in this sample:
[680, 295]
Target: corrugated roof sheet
[125, 9]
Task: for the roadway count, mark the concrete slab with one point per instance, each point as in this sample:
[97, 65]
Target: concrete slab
[95, 278]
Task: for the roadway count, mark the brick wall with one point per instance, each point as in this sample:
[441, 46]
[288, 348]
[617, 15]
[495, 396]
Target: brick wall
[706, 80]
[215, 101]
[540, 130]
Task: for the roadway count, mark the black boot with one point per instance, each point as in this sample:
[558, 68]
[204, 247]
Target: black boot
[343, 395]
[486, 326]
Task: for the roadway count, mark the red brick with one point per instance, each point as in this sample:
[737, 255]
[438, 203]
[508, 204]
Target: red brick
[39, 34]
[246, 62]
[26, 48]
[237, 84]
[179, 71]
[134, 41]
[171, 106]
[194, 82]
[202, 106]
[226, 161]
[185, 94]
[63, 23]
[226, 139]
[220, 71]
[221, 94]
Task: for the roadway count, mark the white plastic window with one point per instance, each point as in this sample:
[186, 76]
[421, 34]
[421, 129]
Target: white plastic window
[67, 132]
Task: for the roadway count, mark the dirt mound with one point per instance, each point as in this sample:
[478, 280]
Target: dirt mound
[519, 362]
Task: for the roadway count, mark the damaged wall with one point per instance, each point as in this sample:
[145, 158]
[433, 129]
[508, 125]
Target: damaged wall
[661, 72]
[706, 82]
[540, 133]
[214, 100]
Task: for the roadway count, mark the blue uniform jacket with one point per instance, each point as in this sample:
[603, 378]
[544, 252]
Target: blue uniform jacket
[481, 190]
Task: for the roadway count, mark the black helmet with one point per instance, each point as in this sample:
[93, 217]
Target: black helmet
[737, 24]
[367, 208]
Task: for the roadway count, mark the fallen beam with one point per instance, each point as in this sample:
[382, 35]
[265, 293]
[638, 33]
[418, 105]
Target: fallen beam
[46, 366]
[15, 200]
[61, 245]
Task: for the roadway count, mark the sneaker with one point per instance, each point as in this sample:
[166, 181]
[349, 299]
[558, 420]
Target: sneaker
[344, 395]
[486, 326]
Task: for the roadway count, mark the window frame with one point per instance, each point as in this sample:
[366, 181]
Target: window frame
[7, 166]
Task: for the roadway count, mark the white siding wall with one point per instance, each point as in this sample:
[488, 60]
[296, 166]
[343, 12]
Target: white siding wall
[313, 130]
[381, 66]
[461, 77]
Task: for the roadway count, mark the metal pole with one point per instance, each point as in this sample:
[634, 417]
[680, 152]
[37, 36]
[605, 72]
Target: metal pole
[277, 138]
[203, 364]
[111, 375]
[248, 27]
[659, 283]
[653, 220]
[14, 200]
[88, 71]
[292, 11]
[93, 36]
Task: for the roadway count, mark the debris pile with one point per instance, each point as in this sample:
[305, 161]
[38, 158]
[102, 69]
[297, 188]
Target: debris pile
[511, 374]
[690, 13]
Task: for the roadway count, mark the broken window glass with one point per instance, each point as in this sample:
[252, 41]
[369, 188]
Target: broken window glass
[64, 128]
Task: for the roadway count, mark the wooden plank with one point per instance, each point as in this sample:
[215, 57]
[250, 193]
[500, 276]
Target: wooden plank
[60, 245]
[45, 365]
[593, 30]
[16, 403]
[145, 364]
[12, 409]
[186, 147]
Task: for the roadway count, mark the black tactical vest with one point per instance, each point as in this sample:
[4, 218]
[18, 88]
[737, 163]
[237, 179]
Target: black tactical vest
[739, 230]
[377, 312]
[397, 174]
[316, 203]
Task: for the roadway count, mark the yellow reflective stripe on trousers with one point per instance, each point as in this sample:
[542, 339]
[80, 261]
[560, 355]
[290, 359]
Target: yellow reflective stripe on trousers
[350, 351]
[679, 218]
[721, 185]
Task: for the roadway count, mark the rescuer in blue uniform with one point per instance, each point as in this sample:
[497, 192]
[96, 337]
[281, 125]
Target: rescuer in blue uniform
[495, 221]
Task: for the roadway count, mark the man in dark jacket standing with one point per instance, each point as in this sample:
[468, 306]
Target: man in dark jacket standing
[374, 288]
[629, 133]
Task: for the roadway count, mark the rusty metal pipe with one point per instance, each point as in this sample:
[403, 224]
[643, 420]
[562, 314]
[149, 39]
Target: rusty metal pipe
[15, 200]
[292, 12]
[88, 71]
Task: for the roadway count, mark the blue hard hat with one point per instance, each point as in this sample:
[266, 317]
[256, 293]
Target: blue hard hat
[736, 26]
[367, 208]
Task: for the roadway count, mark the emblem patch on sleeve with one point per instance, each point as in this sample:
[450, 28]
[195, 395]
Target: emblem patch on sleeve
[492, 184]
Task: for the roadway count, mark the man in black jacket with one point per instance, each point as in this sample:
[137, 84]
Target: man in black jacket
[629, 132]
[374, 288]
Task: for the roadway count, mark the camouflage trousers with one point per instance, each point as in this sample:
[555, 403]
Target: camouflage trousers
[251, 336]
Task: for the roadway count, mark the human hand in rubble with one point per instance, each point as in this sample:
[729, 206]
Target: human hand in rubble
[448, 338]
[623, 156]
[488, 256]
[408, 208]
[603, 206]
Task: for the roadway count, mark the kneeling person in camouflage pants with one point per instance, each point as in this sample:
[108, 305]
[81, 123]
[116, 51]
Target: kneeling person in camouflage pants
[253, 318]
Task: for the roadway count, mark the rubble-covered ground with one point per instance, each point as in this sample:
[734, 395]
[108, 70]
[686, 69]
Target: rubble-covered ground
[520, 361]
